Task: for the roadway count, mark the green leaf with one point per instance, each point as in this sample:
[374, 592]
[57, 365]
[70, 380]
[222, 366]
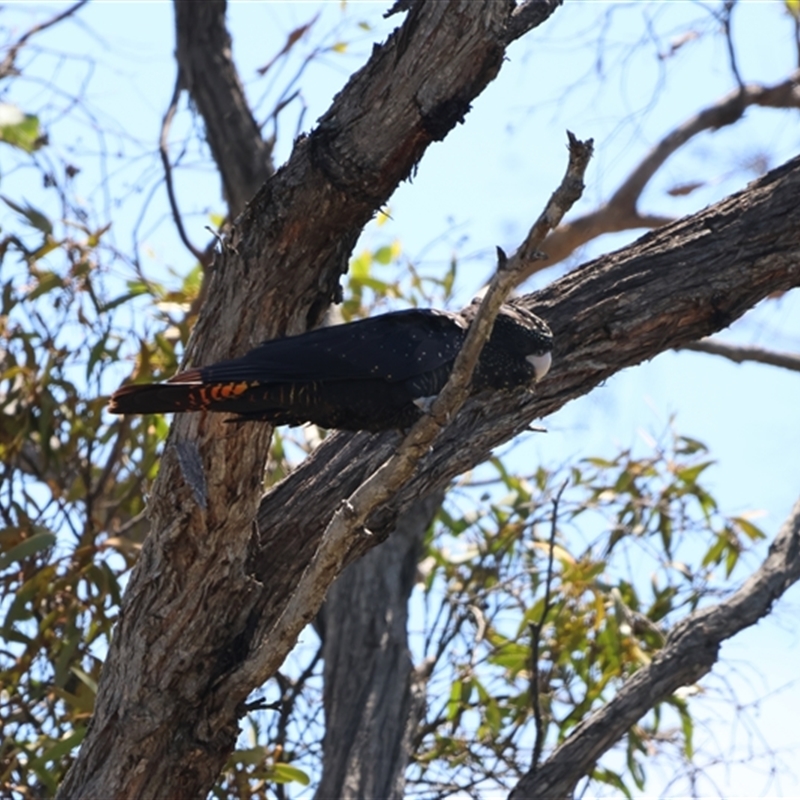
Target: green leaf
[35, 217]
[96, 353]
[689, 446]
[730, 560]
[512, 656]
[359, 266]
[86, 679]
[599, 462]
[386, 254]
[690, 474]
[19, 129]
[714, 553]
[46, 282]
[286, 773]
[612, 779]
[753, 532]
[687, 726]
[59, 749]
[250, 755]
[27, 547]
[70, 640]
[494, 719]
[124, 298]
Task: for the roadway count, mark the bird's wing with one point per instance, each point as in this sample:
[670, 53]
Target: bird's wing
[391, 347]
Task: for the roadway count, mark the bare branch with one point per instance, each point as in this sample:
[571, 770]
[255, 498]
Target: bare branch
[163, 147]
[536, 633]
[727, 14]
[205, 63]
[7, 66]
[691, 650]
[620, 212]
[742, 353]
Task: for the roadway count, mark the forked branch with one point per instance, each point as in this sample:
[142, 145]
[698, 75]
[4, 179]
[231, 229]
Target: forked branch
[351, 515]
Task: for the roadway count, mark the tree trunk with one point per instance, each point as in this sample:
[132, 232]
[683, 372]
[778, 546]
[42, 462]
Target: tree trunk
[673, 286]
[372, 698]
[177, 673]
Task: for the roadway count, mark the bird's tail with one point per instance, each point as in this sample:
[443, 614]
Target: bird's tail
[186, 391]
[155, 398]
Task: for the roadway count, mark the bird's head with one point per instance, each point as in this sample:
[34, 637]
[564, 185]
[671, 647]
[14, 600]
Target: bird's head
[527, 334]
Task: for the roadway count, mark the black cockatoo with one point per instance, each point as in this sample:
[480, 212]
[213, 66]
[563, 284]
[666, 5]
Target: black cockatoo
[375, 374]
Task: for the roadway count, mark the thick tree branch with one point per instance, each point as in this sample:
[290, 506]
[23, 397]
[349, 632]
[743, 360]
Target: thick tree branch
[690, 652]
[277, 638]
[742, 353]
[671, 287]
[620, 212]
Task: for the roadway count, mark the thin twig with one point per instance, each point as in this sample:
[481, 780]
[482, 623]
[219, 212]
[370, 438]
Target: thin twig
[726, 26]
[163, 147]
[741, 353]
[536, 632]
[289, 697]
[7, 66]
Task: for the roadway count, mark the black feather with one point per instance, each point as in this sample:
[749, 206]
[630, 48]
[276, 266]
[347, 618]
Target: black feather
[365, 375]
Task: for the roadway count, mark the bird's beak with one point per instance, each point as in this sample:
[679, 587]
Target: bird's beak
[541, 365]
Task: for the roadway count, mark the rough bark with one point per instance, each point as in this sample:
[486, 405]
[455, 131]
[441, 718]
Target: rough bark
[365, 613]
[368, 675]
[365, 654]
[350, 518]
[370, 697]
[166, 713]
[691, 650]
[671, 287]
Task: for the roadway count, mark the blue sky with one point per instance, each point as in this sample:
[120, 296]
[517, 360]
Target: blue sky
[482, 187]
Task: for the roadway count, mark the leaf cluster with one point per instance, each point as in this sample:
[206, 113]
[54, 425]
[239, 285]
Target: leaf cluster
[537, 611]
[72, 478]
